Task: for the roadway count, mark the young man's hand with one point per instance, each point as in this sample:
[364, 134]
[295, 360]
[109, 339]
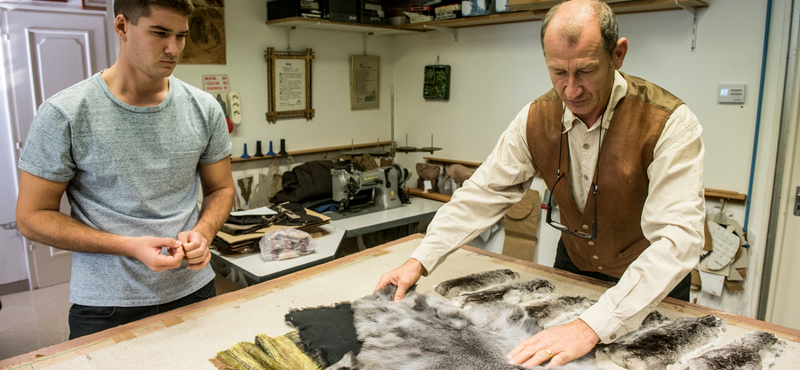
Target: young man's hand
[195, 245]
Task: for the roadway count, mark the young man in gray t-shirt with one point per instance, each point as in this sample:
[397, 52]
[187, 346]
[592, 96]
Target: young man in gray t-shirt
[130, 146]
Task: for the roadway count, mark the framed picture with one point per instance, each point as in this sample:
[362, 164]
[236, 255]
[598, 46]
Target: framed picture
[365, 82]
[94, 4]
[289, 75]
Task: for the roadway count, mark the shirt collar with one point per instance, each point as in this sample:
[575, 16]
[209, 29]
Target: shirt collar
[618, 91]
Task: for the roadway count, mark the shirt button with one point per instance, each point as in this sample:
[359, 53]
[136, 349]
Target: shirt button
[585, 146]
[591, 243]
[600, 268]
[613, 336]
[595, 258]
[585, 177]
[585, 227]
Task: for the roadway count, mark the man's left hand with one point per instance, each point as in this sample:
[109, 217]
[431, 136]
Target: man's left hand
[195, 246]
[561, 343]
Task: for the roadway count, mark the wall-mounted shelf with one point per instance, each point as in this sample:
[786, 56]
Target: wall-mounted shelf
[526, 11]
[452, 161]
[324, 24]
[481, 20]
[315, 151]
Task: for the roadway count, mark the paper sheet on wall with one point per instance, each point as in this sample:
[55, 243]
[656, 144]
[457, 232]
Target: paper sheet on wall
[725, 245]
[712, 284]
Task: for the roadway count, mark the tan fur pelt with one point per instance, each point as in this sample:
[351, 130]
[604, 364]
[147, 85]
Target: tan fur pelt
[427, 171]
[459, 173]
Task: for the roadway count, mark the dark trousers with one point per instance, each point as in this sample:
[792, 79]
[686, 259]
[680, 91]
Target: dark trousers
[563, 262]
[85, 320]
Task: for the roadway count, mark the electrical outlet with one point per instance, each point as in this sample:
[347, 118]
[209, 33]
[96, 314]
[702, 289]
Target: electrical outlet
[235, 101]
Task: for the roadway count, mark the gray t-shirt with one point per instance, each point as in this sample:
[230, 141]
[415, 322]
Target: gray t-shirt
[132, 171]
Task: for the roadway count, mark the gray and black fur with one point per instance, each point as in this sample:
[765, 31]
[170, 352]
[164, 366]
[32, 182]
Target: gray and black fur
[554, 310]
[473, 282]
[426, 332]
[755, 351]
[511, 293]
[665, 344]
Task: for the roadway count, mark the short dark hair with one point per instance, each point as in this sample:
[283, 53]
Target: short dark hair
[135, 9]
[609, 29]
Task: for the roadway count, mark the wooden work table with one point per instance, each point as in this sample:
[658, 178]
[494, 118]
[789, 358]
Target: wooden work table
[187, 337]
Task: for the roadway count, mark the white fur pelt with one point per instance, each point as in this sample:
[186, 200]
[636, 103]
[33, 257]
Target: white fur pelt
[511, 293]
[426, 332]
[755, 351]
[476, 281]
[665, 344]
[554, 309]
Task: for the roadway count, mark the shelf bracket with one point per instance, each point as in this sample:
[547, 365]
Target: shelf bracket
[454, 31]
[694, 24]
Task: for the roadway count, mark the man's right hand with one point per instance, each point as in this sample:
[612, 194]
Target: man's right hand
[147, 249]
[404, 277]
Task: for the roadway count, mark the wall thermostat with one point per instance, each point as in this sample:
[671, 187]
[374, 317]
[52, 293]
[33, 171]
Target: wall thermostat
[731, 94]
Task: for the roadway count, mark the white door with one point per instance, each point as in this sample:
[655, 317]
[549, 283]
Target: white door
[782, 300]
[48, 50]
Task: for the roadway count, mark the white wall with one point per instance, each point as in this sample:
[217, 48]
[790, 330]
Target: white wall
[248, 37]
[496, 70]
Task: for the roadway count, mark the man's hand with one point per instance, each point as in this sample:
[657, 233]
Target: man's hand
[404, 277]
[195, 246]
[148, 250]
[563, 343]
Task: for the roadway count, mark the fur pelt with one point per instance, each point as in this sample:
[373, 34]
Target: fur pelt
[511, 293]
[476, 281]
[755, 351]
[459, 173]
[428, 171]
[554, 310]
[665, 344]
[427, 332]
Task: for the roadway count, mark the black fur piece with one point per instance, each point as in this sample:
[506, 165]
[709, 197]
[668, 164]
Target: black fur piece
[554, 310]
[511, 293]
[426, 332]
[665, 344]
[473, 282]
[755, 351]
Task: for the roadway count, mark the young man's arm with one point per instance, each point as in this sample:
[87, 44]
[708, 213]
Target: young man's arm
[39, 219]
[218, 192]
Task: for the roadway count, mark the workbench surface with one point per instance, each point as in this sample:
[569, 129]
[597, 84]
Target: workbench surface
[186, 338]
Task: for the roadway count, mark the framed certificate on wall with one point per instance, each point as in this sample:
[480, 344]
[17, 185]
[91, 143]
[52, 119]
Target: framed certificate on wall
[365, 82]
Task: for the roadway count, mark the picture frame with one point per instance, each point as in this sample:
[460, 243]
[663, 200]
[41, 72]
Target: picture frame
[94, 4]
[289, 79]
[365, 82]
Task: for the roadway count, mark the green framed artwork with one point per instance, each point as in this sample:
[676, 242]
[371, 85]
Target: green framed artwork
[437, 82]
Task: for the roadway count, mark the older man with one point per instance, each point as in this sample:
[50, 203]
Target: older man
[623, 159]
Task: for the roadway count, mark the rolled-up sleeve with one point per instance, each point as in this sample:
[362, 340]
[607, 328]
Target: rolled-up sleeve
[498, 183]
[672, 220]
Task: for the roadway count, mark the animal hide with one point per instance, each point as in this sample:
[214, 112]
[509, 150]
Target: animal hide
[511, 293]
[665, 344]
[554, 310]
[427, 332]
[473, 282]
[755, 351]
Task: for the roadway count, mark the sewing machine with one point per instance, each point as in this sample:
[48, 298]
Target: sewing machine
[387, 184]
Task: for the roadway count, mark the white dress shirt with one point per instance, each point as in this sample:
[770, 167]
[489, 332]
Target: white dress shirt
[672, 219]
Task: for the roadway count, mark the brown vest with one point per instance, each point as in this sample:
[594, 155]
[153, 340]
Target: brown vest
[622, 183]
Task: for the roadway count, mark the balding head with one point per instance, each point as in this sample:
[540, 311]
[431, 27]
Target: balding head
[570, 18]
